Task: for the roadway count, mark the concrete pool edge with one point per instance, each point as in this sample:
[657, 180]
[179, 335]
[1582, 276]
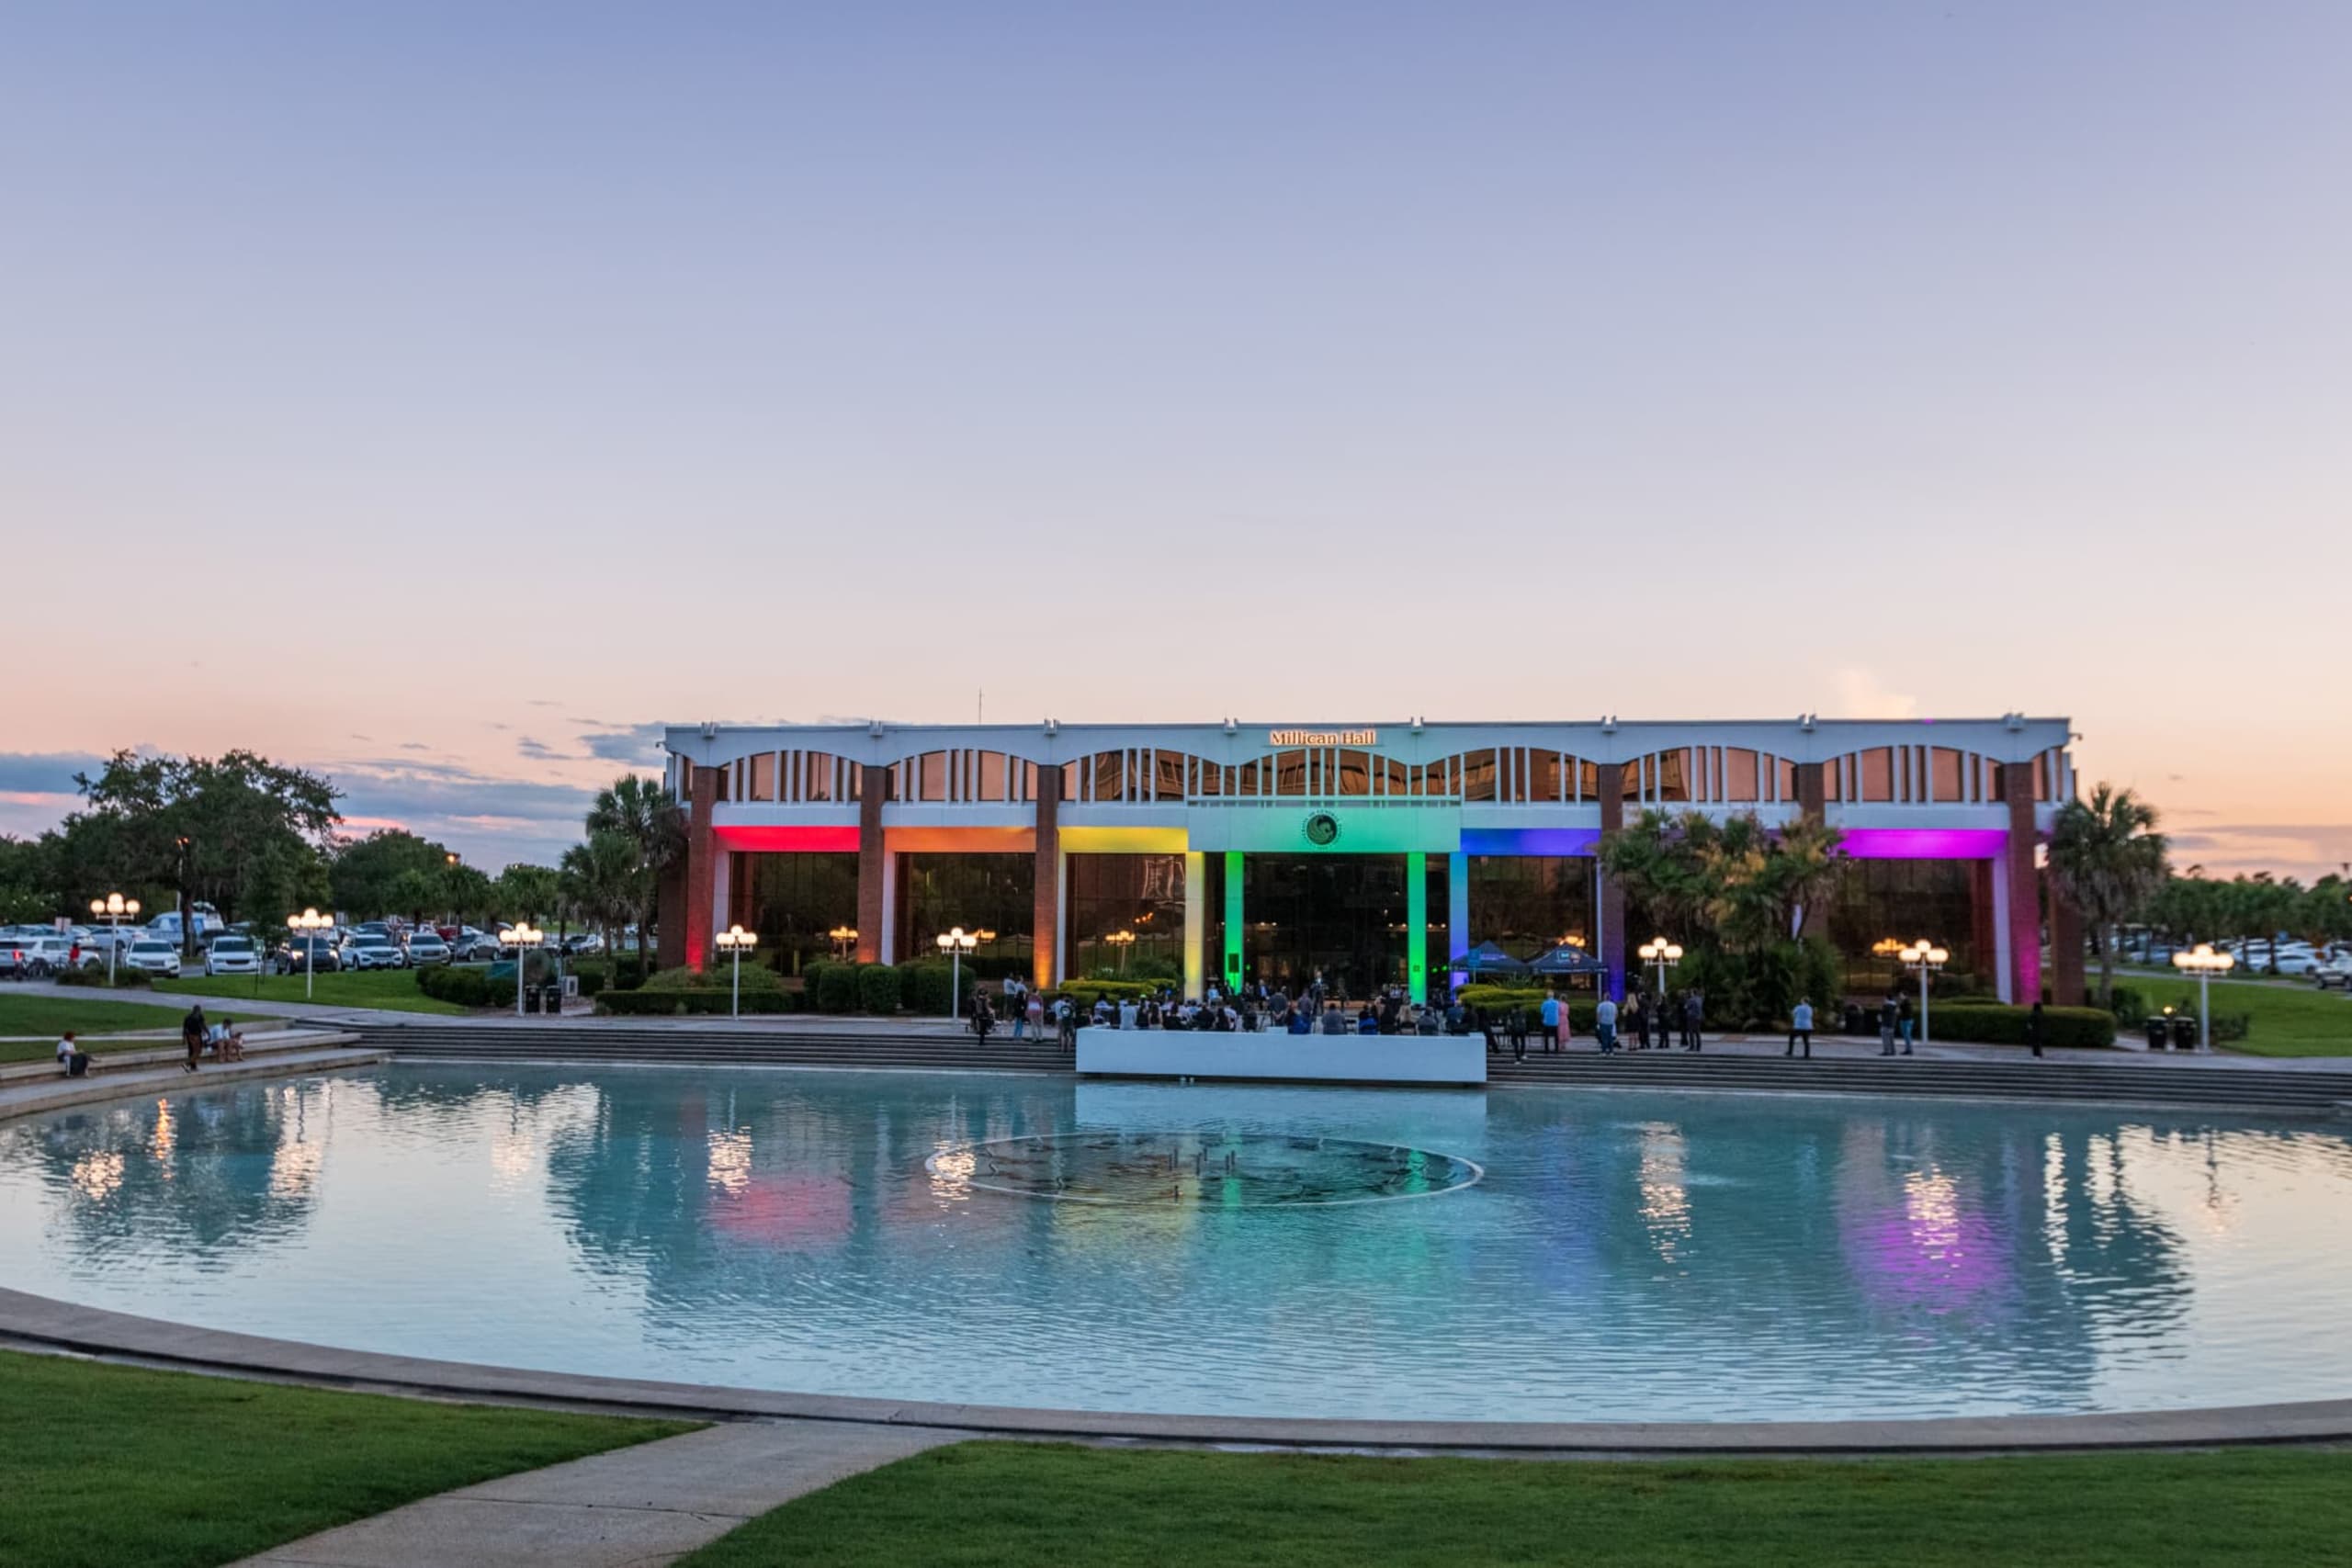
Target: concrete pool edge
[45, 1322]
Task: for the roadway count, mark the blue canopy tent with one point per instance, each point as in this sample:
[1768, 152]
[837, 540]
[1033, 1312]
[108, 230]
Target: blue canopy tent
[1566, 960]
[1487, 959]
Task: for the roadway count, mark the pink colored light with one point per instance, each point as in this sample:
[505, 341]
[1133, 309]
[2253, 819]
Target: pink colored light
[1926, 843]
[785, 841]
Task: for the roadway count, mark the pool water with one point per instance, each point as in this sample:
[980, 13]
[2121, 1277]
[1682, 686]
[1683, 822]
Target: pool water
[1513, 1256]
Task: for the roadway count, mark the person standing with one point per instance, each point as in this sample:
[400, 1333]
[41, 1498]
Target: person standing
[192, 1031]
[1066, 1018]
[1903, 1022]
[1889, 1012]
[1640, 1028]
[1604, 1025]
[1518, 1034]
[2033, 1028]
[1551, 1020]
[1694, 1017]
[1800, 1028]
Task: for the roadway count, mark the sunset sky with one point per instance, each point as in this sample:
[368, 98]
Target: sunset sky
[444, 396]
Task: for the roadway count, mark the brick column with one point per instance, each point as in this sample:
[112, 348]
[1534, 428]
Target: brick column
[2066, 988]
[1813, 805]
[1980, 910]
[873, 864]
[702, 868]
[670, 917]
[1614, 945]
[1045, 920]
[2025, 891]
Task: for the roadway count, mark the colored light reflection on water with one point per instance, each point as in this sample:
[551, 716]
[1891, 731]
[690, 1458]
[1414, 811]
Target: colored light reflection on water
[1245, 1251]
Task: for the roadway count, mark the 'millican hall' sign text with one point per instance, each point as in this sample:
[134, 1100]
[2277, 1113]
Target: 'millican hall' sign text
[1323, 738]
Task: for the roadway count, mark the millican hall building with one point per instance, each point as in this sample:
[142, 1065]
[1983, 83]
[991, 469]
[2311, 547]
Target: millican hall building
[1372, 853]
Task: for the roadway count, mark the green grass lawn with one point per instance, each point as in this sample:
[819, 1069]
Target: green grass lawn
[46, 1017]
[392, 988]
[2290, 1017]
[1021, 1504]
[112, 1465]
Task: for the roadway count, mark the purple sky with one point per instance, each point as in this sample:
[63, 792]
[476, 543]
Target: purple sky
[438, 394]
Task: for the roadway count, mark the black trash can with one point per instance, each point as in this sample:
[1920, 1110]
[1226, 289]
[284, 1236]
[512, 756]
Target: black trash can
[2155, 1032]
[531, 998]
[2184, 1032]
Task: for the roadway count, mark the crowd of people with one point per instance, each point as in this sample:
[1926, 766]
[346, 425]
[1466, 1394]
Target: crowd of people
[1644, 1021]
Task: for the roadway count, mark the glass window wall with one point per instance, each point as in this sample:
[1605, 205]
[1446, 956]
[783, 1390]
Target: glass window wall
[792, 901]
[1142, 895]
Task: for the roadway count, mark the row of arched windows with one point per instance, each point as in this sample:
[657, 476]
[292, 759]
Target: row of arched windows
[1906, 774]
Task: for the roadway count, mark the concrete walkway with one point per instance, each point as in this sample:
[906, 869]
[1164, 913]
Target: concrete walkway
[54, 1093]
[632, 1508]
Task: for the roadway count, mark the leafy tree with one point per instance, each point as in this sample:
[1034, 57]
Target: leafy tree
[1736, 891]
[367, 876]
[2105, 854]
[640, 809]
[527, 892]
[418, 893]
[599, 880]
[227, 829]
[24, 899]
[472, 895]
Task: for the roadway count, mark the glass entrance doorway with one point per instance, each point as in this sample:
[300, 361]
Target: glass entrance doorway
[1341, 916]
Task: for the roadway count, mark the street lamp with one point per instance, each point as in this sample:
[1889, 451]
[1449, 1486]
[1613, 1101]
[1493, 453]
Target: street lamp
[1122, 940]
[114, 908]
[524, 936]
[1924, 958]
[1662, 952]
[2204, 963]
[844, 937]
[735, 940]
[955, 942]
[308, 925]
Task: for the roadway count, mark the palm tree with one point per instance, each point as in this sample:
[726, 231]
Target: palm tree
[640, 810]
[2105, 854]
[600, 880]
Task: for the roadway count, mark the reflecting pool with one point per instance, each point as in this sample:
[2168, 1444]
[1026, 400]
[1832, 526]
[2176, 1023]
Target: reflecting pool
[1513, 1256]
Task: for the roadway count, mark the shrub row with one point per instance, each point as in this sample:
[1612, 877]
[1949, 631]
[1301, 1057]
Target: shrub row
[1998, 1024]
[125, 977]
[468, 985]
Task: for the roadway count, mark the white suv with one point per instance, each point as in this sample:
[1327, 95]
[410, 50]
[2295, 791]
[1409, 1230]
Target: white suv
[38, 957]
[154, 957]
[2337, 971]
[232, 955]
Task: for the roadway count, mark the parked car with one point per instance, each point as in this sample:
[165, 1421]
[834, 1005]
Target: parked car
[582, 943]
[2335, 975]
[232, 955]
[426, 946]
[38, 957]
[373, 952]
[153, 956]
[294, 954]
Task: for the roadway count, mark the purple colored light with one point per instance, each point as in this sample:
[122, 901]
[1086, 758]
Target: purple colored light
[1924, 843]
[1530, 841]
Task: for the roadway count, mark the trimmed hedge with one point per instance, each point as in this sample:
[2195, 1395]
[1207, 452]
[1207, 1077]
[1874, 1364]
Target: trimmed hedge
[835, 988]
[877, 989]
[125, 977]
[1998, 1024]
[1500, 1000]
[924, 988]
[469, 985]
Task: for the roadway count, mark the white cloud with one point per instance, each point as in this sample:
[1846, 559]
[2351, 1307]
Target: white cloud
[1860, 694]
